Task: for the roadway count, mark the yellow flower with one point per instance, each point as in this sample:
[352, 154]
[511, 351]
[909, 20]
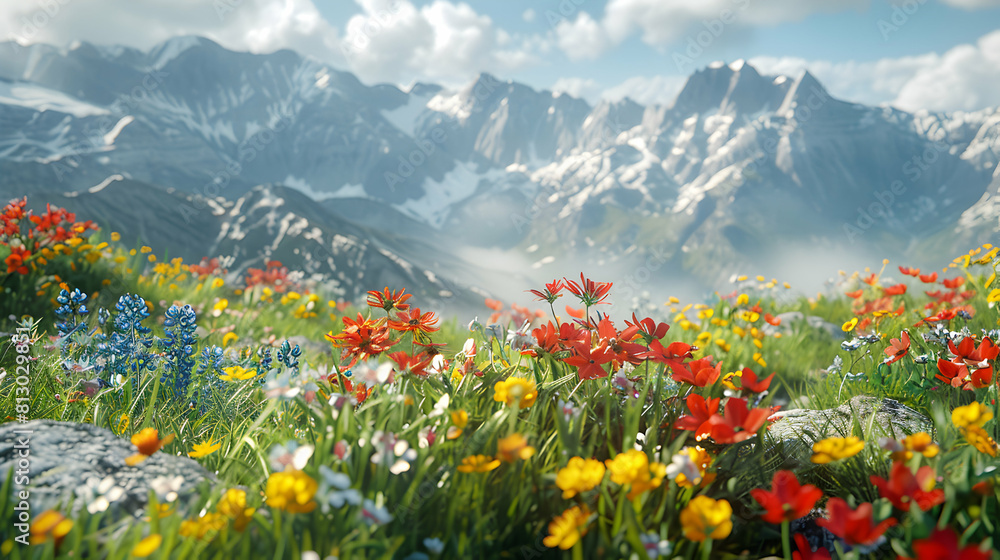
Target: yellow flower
[147, 546]
[978, 438]
[750, 316]
[304, 311]
[115, 236]
[920, 442]
[234, 506]
[478, 463]
[515, 390]
[700, 457]
[49, 523]
[727, 380]
[759, 358]
[145, 250]
[237, 373]
[579, 475]
[514, 447]
[972, 414]
[566, 530]
[203, 449]
[705, 518]
[202, 526]
[706, 313]
[218, 282]
[742, 299]
[229, 338]
[292, 491]
[220, 306]
[739, 331]
[633, 467]
[835, 449]
[849, 326]
[459, 420]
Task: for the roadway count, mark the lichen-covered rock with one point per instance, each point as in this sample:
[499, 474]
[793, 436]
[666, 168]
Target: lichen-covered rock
[87, 463]
[792, 433]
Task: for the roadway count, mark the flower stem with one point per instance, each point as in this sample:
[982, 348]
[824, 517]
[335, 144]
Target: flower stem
[786, 545]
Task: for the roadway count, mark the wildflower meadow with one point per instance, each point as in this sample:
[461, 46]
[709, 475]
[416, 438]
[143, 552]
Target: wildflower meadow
[554, 426]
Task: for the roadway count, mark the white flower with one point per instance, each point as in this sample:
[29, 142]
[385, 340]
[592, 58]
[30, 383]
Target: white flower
[469, 348]
[335, 489]
[681, 463]
[280, 385]
[372, 373]
[167, 487]
[98, 494]
[568, 411]
[290, 456]
[393, 452]
[441, 406]
[373, 514]
[654, 546]
[435, 545]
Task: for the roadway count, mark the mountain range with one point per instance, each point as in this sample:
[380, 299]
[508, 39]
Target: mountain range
[468, 192]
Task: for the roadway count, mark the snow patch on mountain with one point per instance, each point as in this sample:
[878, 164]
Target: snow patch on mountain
[44, 99]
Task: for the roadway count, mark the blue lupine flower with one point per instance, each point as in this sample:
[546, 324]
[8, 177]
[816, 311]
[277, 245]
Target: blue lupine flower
[179, 325]
[72, 312]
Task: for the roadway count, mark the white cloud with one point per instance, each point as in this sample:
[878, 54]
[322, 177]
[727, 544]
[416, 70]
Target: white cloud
[963, 78]
[583, 88]
[973, 4]
[529, 15]
[647, 90]
[440, 41]
[254, 25]
[581, 39]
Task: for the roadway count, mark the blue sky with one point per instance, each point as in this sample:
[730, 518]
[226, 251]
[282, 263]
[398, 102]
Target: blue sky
[933, 54]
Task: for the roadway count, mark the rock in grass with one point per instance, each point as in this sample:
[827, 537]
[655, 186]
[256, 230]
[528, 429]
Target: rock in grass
[86, 463]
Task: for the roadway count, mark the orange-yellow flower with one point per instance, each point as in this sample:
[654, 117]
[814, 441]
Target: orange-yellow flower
[292, 491]
[978, 438]
[705, 518]
[234, 506]
[579, 475]
[515, 391]
[459, 420]
[147, 546]
[203, 449]
[514, 447]
[49, 523]
[835, 449]
[972, 414]
[566, 530]
[633, 467]
[478, 463]
[148, 442]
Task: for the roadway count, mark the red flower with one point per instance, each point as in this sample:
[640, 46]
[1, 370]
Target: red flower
[749, 382]
[871, 279]
[411, 364]
[15, 260]
[551, 292]
[699, 373]
[738, 424]
[853, 525]
[649, 329]
[673, 355]
[772, 320]
[953, 283]
[929, 278]
[788, 500]
[415, 322]
[589, 292]
[958, 376]
[493, 304]
[967, 352]
[574, 313]
[623, 350]
[943, 545]
[588, 360]
[855, 294]
[805, 551]
[897, 290]
[904, 488]
[362, 339]
[389, 300]
[909, 271]
[701, 411]
[898, 347]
